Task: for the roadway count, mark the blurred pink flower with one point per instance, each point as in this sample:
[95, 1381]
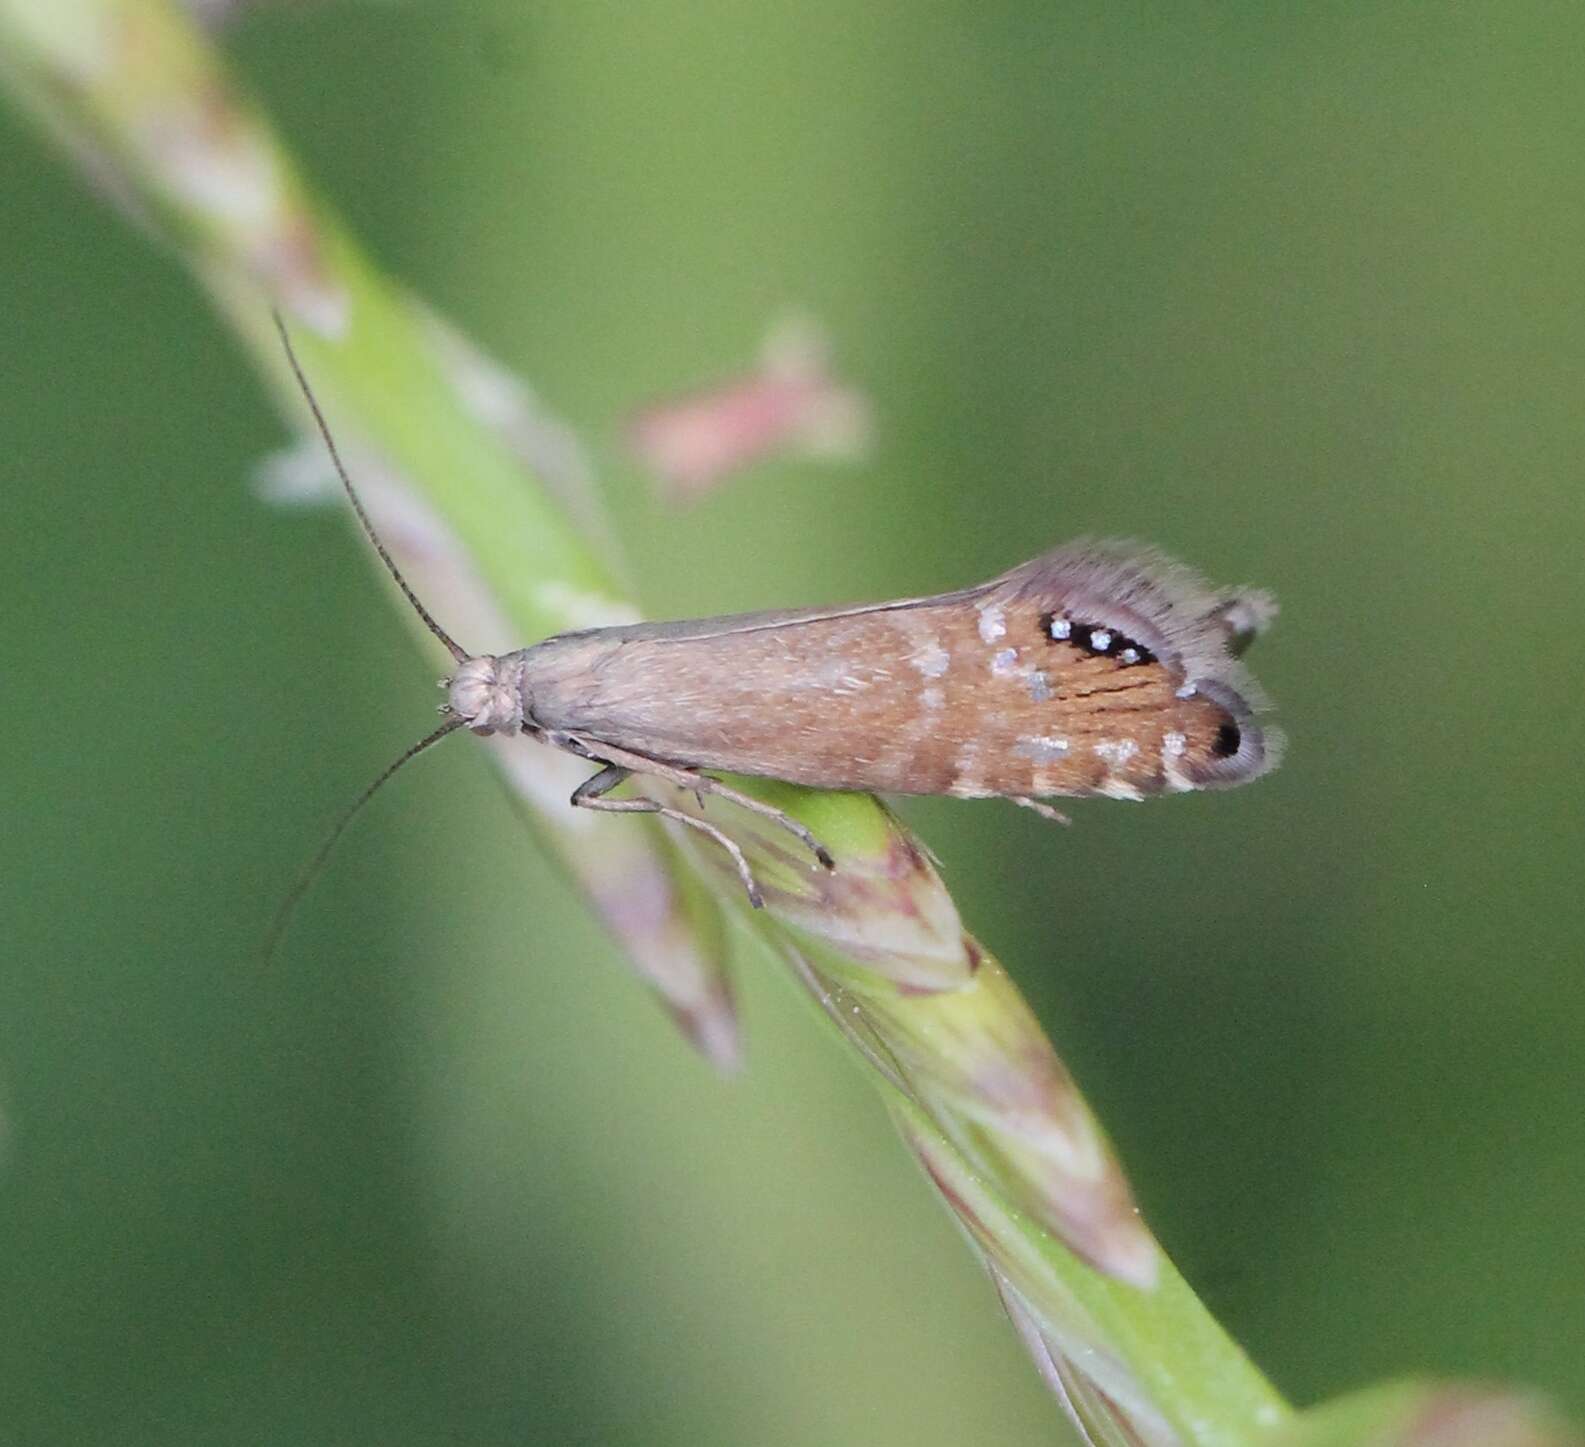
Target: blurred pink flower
[790, 406]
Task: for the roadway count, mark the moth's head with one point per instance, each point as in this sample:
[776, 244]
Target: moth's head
[486, 694]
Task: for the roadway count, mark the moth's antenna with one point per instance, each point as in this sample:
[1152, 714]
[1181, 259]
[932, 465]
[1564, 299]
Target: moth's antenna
[315, 866]
[457, 652]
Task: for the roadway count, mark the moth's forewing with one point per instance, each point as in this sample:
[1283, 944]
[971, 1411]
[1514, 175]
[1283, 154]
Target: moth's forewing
[1089, 670]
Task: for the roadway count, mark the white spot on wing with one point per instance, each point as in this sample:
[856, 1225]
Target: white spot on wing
[932, 660]
[1173, 744]
[933, 698]
[1004, 662]
[1041, 748]
[1116, 752]
[967, 783]
[993, 623]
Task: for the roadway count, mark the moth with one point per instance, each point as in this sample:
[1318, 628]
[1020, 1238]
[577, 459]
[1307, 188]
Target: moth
[1094, 669]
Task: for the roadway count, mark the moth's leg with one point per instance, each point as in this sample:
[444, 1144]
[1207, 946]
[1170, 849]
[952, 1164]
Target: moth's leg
[590, 794]
[780, 817]
[602, 752]
[1044, 810]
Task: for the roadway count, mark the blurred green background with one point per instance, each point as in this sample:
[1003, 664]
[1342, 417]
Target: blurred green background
[1296, 292]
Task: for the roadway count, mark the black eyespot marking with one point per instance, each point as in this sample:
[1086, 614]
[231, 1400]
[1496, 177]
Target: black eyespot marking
[1229, 739]
[1096, 639]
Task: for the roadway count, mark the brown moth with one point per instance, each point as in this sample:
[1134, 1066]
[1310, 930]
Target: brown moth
[1096, 668]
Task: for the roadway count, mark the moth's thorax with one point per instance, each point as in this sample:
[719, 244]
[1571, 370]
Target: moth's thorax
[486, 693]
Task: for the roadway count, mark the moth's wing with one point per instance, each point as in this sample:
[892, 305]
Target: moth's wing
[1154, 599]
[1167, 657]
[967, 692]
[1165, 600]
[699, 630]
